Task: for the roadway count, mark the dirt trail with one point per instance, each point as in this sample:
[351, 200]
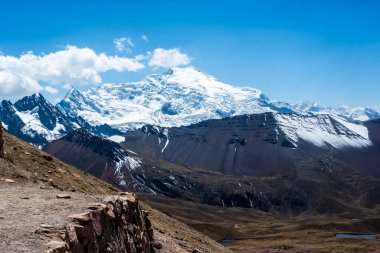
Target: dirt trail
[24, 208]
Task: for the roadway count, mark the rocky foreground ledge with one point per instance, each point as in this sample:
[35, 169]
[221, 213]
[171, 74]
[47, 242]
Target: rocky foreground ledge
[116, 225]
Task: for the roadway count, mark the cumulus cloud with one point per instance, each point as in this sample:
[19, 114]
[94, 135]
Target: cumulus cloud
[17, 84]
[121, 44]
[51, 90]
[76, 66]
[145, 38]
[168, 58]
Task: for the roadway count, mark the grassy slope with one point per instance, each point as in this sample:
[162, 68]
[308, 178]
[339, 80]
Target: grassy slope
[258, 230]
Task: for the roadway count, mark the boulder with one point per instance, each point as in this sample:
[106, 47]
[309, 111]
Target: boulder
[117, 225]
[63, 196]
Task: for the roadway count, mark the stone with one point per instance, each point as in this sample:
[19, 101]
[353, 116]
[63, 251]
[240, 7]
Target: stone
[9, 180]
[117, 225]
[58, 247]
[42, 231]
[48, 158]
[96, 206]
[109, 199]
[79, 231]
[46, 226]
[52, 183]
[129, 197]
[110, 214]
[145, 213]
[82, 217]
[63, 196]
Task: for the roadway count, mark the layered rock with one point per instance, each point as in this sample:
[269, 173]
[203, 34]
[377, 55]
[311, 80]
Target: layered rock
[115, 226]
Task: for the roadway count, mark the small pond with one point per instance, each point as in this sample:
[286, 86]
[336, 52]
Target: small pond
[356, 236]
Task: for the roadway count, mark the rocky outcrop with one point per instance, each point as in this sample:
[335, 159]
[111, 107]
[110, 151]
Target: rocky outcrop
[117, 225]
[1, 141]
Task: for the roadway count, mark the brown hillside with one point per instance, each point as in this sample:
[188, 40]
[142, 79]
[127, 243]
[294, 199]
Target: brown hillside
[31, 179]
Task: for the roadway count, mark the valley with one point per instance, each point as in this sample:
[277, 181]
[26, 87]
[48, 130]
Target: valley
[264, 176]
[189, 126]
[250, 230]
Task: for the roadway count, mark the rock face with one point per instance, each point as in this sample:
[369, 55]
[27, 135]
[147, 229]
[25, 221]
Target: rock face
[1, 141]
[115, 226]
[98, 156]
[255, 145]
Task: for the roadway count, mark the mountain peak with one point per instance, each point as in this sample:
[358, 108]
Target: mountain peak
[72, 91]
[305, 105]
[30, 102]
[188, 74]
[189, 69]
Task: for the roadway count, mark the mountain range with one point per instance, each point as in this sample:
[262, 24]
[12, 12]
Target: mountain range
[190, 144]
[178, 97]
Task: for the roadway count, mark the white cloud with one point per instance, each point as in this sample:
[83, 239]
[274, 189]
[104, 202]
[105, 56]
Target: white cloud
[76, 66]
[120, 44]
[17, 84]
[168, 58]
[51, 90]
[67, 86]
[145, 38]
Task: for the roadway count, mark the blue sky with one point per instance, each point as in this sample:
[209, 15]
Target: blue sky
[324, 51]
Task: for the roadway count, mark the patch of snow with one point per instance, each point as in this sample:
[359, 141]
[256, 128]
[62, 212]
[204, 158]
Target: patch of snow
[352, 114]
[166, 144]
[130, 151]
[116, 138]
[165, 132]
[133, 162]
[355, 127]
[34, 126]
[322, 130]
[250, 203]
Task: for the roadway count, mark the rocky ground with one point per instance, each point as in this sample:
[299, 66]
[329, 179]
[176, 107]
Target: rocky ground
[31, 180]
[26, 210]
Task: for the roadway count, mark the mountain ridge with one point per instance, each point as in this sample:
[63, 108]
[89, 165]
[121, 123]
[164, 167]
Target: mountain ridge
[182, 96]
[178, 97]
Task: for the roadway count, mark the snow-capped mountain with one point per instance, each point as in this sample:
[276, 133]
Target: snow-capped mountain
[261, 144]
[184, 96]
[353, 114]
[181, 96]
[178, 97]
[35, 120]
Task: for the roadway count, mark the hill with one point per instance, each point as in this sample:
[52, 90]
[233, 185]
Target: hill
[30, 182]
